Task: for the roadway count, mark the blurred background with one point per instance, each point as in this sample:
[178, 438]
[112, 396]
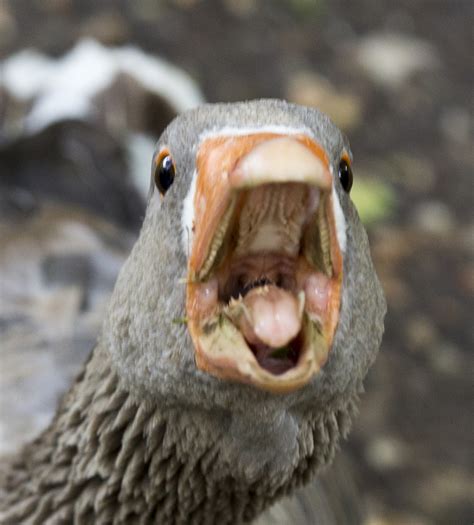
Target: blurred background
[85, 89]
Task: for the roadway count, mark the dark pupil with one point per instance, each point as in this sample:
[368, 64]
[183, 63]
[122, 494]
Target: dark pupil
[345, 175]
[165, 174]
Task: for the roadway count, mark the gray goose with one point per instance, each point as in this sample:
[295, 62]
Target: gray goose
[237, 337]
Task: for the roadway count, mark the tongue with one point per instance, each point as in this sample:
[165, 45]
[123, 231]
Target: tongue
[272, 316]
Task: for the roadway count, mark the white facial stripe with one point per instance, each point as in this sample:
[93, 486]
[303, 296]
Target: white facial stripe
[340, 221]
[187, 217]
[228, 131]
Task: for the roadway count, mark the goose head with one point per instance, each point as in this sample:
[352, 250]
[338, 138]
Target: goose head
[250, 295]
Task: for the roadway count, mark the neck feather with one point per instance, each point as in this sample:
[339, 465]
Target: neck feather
[108, 457]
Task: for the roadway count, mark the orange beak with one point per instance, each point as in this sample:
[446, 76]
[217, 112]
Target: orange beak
[263, 213]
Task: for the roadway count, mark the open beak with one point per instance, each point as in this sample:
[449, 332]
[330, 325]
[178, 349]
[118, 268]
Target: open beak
[265, 267]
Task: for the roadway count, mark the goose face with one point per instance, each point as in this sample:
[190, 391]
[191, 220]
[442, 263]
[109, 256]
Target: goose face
[252, 273]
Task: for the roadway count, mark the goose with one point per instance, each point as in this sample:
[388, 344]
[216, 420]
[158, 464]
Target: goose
[240, 329]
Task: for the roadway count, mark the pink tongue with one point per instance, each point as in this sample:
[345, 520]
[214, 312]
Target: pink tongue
[273, 317]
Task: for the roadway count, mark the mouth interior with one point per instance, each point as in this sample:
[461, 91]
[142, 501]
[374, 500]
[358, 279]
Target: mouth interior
[277, 360]
[269, 272]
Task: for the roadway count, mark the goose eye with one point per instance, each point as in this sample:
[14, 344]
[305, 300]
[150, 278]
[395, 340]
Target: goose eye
[164, 174]
[345, 175]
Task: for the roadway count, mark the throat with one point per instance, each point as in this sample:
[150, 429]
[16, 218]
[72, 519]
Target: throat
[277, 360]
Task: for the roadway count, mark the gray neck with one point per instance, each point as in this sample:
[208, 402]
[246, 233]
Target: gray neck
[110, 458]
